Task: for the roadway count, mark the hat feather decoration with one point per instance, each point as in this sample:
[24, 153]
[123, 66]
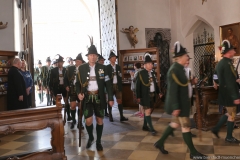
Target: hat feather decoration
[91, 40]
[147, 54]
[177, 44]
[227, 43]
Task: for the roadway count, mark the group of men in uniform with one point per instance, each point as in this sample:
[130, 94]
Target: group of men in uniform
[94, 85]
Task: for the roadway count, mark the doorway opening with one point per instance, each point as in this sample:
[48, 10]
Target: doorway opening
[62, 27]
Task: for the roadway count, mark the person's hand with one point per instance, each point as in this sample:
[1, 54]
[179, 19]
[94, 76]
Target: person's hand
[160, 95]
[20, 98]
[194, 81]
[138, 100]
[215, 86]
[176, 112]
[67, 89]
[111, 103]
[80, 96]
[28, 90]
[237, 101]
[238, 80]
[131, 73]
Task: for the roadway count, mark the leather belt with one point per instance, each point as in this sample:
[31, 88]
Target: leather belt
[92, 92]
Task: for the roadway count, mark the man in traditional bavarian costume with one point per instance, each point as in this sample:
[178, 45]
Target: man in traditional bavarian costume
[70, 62]
[44, 74]
[101, 61]
[114, 71]
[56, 83]
[92, 78]
[147, 91]
[38, 80]
[178, 103]
[69, 82]
[228, 95]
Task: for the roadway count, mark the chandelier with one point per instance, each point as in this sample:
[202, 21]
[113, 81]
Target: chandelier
[204, 1]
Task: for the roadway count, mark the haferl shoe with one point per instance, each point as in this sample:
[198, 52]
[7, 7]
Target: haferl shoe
[99, 147]
[198, 156]
[89, 143]
[145, 128]
[215, 133]
[161, 148]
[232, 140]
[123, 119]
[154, 132]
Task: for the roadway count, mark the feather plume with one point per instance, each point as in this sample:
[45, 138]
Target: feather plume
[177, 44]
[227, 43]
[91, 40]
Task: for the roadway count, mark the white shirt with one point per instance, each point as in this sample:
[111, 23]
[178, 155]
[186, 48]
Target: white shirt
[92, 85]
[115, 76]
[152, 88]
[187, 73]
[75, 78]
[60, 77]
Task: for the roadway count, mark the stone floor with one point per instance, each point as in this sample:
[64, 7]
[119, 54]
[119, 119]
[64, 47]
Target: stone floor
[122, 141]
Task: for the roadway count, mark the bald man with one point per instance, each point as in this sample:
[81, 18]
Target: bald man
[16, 90]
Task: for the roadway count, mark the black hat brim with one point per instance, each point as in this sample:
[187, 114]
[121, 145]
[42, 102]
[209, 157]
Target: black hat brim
[112, 56]
[91, 53]
[180, 54]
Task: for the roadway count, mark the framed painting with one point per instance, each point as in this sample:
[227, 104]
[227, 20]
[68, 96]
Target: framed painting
[231, 32]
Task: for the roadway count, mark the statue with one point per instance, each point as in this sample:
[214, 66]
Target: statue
[232, 38]
[2, 26]
[131, 35]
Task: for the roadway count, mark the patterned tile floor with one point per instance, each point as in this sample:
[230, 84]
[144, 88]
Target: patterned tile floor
[127, 143]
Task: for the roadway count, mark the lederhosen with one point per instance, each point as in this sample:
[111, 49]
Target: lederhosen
[116, 92]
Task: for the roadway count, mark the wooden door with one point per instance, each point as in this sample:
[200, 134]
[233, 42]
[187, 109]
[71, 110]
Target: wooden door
[28, 38]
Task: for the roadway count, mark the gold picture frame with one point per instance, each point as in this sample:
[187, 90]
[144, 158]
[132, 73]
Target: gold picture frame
[231, 32]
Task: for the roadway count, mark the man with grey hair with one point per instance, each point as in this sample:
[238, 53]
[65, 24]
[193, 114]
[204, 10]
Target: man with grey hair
[16, 90]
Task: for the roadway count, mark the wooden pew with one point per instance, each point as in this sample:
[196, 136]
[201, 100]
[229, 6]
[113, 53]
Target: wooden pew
[37, 119]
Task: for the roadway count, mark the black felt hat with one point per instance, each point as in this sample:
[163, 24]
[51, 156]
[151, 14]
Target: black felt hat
[59, 59]
[112, 54]
[92, 49]
[226, 46]
[100, 57]
[79, 57]
[147, 58]
[39, 62]
[179, 50]
[69, 59]
[54, 61]
[48, 59]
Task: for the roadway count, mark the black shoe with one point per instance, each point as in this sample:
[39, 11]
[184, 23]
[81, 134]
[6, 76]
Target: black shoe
[145, 128]
[72, 125]
[99, 147]
[110, 117]
[215, 133]
[89, 143]
[154, 132]
[123, 119]
[232, 140]
[161, 148]
[193, 135]
[106, 115]
[69, 118]
[198, 156]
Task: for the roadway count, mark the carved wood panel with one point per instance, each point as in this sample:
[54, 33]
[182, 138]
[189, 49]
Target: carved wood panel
[107, 11]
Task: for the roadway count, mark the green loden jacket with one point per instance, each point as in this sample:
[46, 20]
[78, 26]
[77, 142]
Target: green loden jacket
[177, 91]
[142, 89]
[69, 76]
[44, 75]
[228, 88]
[118, 73]
[102, 78]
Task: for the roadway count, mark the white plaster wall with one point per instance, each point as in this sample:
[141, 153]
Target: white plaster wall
[7, 34]
[141, 14]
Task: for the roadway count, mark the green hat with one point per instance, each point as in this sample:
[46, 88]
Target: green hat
[112, 54]
[54, 61]
[69, 59]
[59, 58]
[147, 58]
[100, 57]
[226, 46]
[39, 62]
[92, 49]
[48, 59]
[179, 50]
[79, 57]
